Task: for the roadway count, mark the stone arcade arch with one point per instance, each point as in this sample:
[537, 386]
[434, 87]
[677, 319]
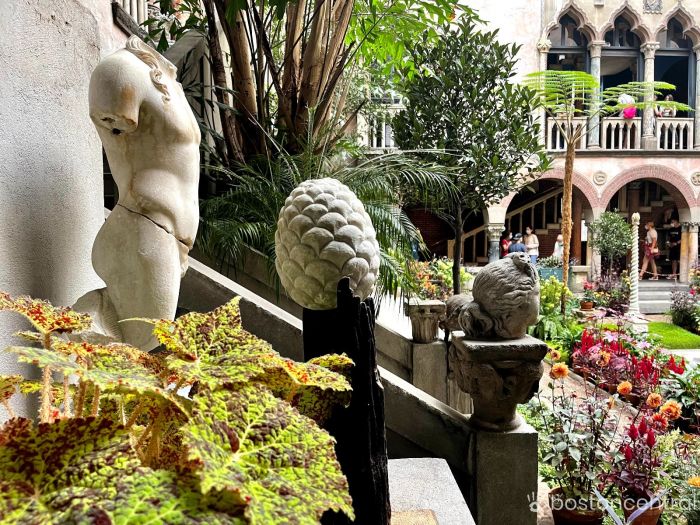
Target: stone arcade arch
[683, 194]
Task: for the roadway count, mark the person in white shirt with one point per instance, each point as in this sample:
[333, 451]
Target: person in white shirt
[532, 243]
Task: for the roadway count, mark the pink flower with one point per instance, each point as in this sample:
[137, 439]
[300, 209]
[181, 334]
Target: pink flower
[643, 426]
[629, 455]
[692, 291]
[633, 432]
[651, 438]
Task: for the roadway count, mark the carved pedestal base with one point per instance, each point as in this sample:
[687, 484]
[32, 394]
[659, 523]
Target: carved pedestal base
[425, 316]
[498, 375]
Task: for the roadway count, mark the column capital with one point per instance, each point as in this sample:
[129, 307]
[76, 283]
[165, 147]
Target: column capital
[649, 49]
[596, 47]
[494, 231]
[692, 227]
[696, 48]
[544, 45]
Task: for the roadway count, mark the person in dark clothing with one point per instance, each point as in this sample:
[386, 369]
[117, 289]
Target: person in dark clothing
[674, 247]
[517, 244]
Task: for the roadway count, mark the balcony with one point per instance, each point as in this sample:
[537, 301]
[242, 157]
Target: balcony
[620, 134]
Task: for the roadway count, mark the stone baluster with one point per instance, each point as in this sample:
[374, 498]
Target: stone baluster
[648, 137]
[634, 266]
[595, 48]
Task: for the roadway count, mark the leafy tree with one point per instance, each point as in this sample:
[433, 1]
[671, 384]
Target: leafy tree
[281, 74]
[566, 95]
[461, 105]
[610, 236]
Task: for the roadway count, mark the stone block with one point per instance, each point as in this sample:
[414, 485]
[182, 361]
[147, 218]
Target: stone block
[430, 369]
[426, 486]
[504, 465]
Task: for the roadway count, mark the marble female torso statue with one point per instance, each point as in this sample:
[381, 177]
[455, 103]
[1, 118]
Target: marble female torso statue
[151, 139]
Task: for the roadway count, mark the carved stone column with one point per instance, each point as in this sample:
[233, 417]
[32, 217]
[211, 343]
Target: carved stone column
[543, 46]
[425, 316]
[494, 232]
[648, 137]
[498, 375]
[689, 249]
[594, 49]
[696, 115]
[634, 265]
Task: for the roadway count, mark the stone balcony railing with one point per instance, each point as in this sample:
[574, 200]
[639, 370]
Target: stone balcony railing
[620, 134]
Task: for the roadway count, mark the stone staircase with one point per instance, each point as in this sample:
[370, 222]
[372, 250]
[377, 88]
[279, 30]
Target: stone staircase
[655, 296]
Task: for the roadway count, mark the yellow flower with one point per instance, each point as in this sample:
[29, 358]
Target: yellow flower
[624, 388]
[555, 355]
[604, 358]
[654, 400]
[694, 481]
[559, 371]
[671, 409]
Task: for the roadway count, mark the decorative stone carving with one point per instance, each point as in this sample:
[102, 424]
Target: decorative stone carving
[600, 178]
[425, 317]
[544, 45]
[498, 375]
[653, 6]
[324, 234]
[506, 300]
[695, 178]
[453, 309]
[152, 141]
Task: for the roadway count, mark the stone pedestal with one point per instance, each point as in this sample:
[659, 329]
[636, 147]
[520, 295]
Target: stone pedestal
[425, 316]
[498, 375]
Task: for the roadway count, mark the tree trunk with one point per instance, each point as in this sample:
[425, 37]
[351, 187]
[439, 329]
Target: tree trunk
[566, 219]
[233, 148]
[457, 252]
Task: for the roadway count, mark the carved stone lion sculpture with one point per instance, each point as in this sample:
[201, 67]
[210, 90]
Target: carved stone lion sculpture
[506, 300]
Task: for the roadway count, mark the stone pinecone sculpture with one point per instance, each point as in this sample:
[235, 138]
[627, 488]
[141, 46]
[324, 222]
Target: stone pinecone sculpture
[324, 234]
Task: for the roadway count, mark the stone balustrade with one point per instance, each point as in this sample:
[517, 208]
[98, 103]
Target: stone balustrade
[137, 9]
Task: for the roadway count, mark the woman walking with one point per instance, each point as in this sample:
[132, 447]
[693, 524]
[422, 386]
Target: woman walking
[651, 251]
[532, 243]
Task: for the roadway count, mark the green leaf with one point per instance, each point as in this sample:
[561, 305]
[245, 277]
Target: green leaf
[315, 387]
[257, 448]
[85, 471]
[8, 386]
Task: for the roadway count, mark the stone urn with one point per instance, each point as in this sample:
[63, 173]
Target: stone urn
[499, 375]
[425, 315]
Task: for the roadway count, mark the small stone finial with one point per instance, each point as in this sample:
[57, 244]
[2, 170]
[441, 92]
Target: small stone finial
[544, 45]
[636, 218]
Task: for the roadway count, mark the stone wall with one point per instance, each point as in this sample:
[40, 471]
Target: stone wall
[50, 160]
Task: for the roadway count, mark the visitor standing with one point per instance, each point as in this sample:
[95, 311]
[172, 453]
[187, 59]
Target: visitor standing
[505, 242]
[674, 247]
[559, 247]
[517, 244]
[532, 243]
[651, 251]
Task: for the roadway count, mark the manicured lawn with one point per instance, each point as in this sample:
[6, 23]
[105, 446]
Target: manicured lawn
[674, 337]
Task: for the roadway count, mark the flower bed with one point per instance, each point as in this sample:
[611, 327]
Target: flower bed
[588, 444]
[435, 280]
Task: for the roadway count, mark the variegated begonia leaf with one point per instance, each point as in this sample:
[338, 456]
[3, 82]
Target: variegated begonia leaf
[84, 471]
[45, 317]
[112, 372]
[194, 333]
[251, 444]
[8, 386]
[311, 387]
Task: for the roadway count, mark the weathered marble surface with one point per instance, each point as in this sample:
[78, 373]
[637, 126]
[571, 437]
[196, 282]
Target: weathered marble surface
[324, 234]
[506, 300]
[151, 139]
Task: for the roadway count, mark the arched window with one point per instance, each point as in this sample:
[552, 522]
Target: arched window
[621, 35]
[673, 38]
[569, 46]
[567, 34]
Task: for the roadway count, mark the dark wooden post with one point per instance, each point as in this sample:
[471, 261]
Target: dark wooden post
[359, 429]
